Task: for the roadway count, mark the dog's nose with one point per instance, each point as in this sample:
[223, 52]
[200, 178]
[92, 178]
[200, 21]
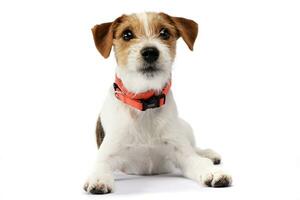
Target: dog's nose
[150, 54]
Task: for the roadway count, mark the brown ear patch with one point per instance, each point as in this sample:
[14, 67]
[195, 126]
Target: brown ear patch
[187, 29]
[103, 36]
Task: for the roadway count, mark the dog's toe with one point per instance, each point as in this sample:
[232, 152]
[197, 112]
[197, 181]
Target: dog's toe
[85, 187]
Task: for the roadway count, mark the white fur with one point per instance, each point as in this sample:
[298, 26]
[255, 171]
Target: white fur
[148, 142]
[143, 17]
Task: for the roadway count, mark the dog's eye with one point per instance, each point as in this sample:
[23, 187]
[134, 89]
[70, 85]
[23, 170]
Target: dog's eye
[127, 35]
[164, 34]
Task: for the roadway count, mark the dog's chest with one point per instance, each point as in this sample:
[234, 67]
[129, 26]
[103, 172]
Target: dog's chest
[145, 146]
[147, 127]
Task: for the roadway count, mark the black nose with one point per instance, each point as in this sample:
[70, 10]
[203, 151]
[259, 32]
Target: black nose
[150, 54]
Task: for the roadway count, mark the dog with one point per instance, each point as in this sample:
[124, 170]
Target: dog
[138, 130]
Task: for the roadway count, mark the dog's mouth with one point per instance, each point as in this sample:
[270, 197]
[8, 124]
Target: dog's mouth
[149, 70]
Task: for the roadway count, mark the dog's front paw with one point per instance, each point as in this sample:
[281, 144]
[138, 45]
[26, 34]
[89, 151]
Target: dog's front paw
[217, 179]
[98, 186]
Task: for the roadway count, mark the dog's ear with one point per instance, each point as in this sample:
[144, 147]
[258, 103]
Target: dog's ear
[103, 36]
[187, 29]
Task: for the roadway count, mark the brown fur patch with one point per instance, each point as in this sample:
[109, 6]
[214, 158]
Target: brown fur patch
[99, 133]
[102, 37]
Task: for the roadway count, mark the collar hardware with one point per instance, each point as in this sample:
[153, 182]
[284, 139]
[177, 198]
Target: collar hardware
[153, 102]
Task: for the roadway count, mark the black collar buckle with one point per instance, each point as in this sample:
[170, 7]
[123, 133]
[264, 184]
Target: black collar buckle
[153, 102]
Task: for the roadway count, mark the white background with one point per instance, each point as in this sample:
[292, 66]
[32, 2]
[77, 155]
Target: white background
[239, 88]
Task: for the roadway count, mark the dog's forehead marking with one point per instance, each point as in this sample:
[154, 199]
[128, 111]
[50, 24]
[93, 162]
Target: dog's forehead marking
[144, 19]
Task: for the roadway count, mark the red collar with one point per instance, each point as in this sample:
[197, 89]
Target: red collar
[141, 101]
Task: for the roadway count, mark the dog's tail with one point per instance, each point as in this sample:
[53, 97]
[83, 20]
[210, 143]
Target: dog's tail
[99, 133]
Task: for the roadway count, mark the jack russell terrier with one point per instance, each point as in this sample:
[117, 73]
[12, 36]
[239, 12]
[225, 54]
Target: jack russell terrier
[138, 130]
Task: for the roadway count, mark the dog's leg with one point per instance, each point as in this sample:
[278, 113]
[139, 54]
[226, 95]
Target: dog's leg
[100, 180]
[210, 154]
[201, 169]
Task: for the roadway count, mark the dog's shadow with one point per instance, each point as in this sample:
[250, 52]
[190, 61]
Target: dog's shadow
[132, 184]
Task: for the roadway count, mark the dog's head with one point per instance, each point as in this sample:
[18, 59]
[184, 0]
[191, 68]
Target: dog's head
[145, 46]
